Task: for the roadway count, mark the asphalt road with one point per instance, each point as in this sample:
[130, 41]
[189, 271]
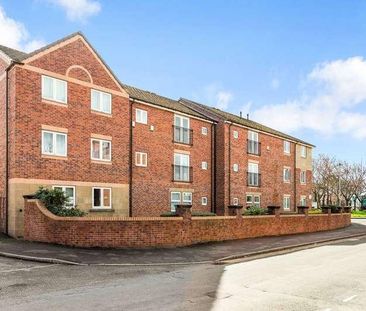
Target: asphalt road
[326, 278]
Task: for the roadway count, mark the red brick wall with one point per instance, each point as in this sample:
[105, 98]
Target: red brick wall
[151, 184]
[40, 225]
[81, 122]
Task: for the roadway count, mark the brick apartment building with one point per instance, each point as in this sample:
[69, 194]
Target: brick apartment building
[67, 122]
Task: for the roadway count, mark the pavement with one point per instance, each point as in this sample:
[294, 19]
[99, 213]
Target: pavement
[326, 278]
[219, 252]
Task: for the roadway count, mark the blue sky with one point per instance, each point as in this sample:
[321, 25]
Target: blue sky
[295, 65]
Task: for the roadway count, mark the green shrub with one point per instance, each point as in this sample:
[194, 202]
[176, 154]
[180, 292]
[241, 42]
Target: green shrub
[315, 211]
[57, 203]
[255, 210]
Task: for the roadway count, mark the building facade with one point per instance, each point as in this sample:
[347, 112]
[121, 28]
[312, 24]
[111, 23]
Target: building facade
[69, 123]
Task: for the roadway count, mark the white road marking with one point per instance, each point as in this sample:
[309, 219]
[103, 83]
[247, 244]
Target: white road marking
[349, 298]
[27, 269]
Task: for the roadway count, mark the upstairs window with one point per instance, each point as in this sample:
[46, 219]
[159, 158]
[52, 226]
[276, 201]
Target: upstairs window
[141, 116]
[101, 150]
[204, 131]
[253, 143]
[303, 152]
[253, 178]
[235, 134]
[54, 144]
[286, 147]
[182, 132]
[303, 177]
[54, 89]
[286, 174]
[141, 159]
[101, 102]
[181, 168]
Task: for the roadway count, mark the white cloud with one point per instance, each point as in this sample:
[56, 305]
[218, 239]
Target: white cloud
[331, 104]
[214, 94]
[223, 99]
[79, 9]
[14, 34]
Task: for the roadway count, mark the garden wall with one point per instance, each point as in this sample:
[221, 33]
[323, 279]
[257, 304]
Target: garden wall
[122, 232]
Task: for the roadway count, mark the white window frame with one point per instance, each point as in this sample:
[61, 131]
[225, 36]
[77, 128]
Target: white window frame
[182, 167]
[63, 188]
[185, 201]
[303, 200]
[141, 116]
[286, 147]
[235, 201]
[204, 165]
[235, 167]
[252, 199]
[139, 159]
[286, 202]
[53, 98]
[176, 202]
[204, 130]
[286, 169]
[101, 141]
[100, 94]
[204, 201]
[236, 134]
[303, 152]
[54, 135]
[303, 177]
[101, 198]
[253, 136]
[180, 123]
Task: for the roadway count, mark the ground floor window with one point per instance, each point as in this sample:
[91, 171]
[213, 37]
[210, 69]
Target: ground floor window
[69, 192]
[303, 200]
[177, 198]
[286, 202]
[102, 197]
[253, 200]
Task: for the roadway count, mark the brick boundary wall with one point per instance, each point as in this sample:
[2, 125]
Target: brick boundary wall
[144, 232]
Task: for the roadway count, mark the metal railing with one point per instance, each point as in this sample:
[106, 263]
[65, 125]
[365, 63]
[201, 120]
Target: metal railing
[182, 173]
[182, 135]
[253, 179]
[254, 147]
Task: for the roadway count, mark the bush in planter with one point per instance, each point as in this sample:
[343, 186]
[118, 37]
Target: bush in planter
[57, 203]
[255, 210]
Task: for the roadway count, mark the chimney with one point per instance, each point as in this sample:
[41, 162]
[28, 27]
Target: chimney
[247, 116]
[241, 114]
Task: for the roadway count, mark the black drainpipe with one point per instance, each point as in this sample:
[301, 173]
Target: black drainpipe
[230, 163]
[130, 168]
[7, 151]
[213, 168]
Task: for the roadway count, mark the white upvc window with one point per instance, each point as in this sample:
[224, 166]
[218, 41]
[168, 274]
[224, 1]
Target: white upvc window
[101, 101]
[253, 174]
[204, 130]
[253, 142]
[69, 192]
[286, 202]
[54, 143]
[235, 134]
[182, 130]
[204, 165]
[175, 199]
[141, 116]
[303, 151]
[235, 167]
[187, 198]
[286, 147]
[54, 89]
[303, 177]
[286, 174]
[181, 167]
[102, 197]
[303, 200]
[253, 200]
[235, 201]
[141, 159]
[101, 150]
[204, 201]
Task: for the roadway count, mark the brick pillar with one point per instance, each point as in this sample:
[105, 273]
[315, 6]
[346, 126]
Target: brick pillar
[184, 210]
[274, 210]
[235, 210]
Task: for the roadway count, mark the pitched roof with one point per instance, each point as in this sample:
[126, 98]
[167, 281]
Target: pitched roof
[13, 54]
[215, 113]
[161, 101]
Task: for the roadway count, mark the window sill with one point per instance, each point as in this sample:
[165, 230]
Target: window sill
[100, 113]
[54, 157]
[182, 182]
[287, 182]
[182, 144]
[287, 154]
[101, 162]
[99, 210]
[51, 102]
